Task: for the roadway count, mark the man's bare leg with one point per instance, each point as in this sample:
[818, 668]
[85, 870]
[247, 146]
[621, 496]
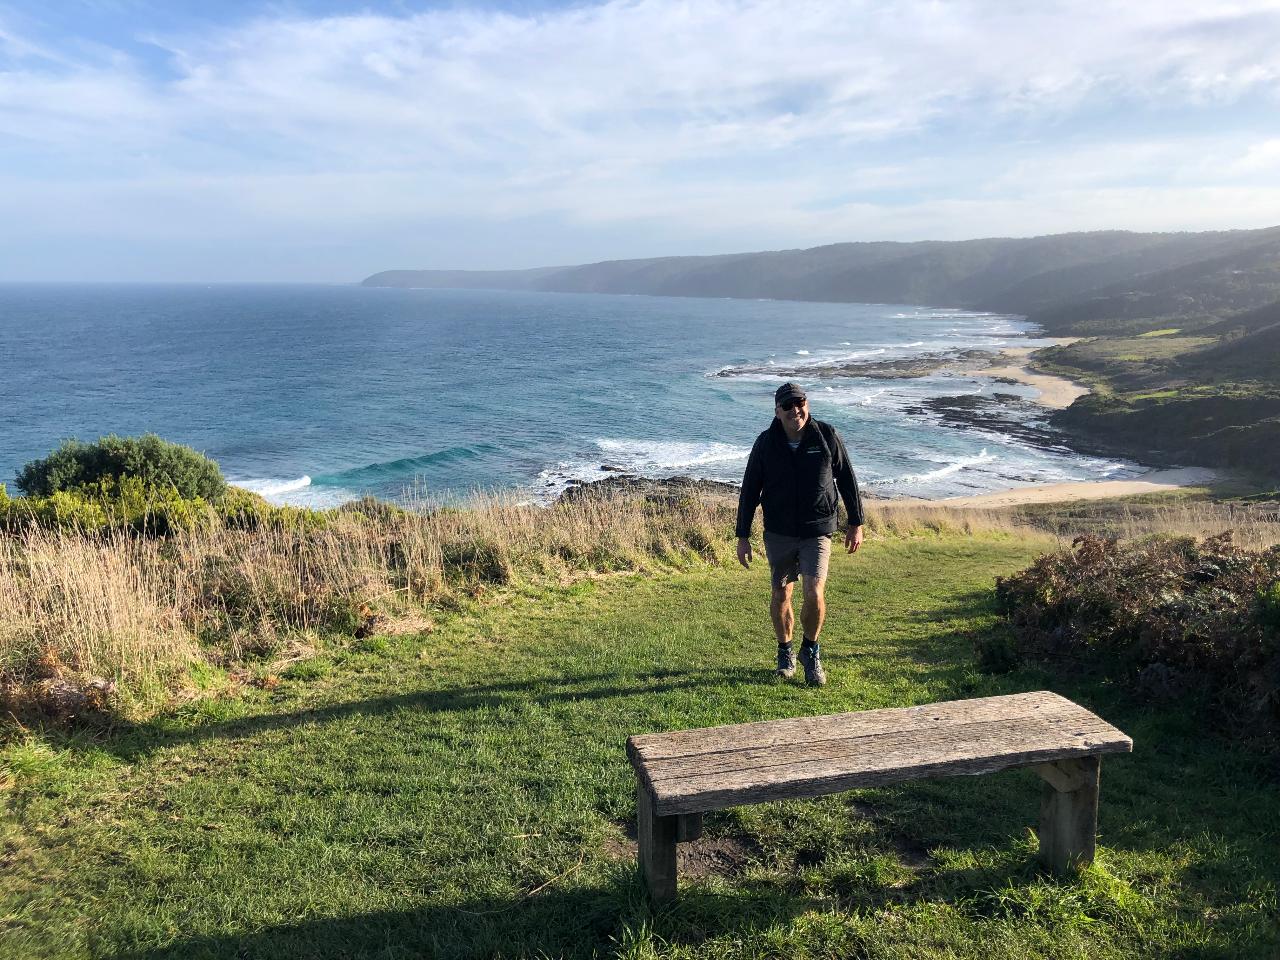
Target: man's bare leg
[812, 614]
[781, 614]
[814, 610]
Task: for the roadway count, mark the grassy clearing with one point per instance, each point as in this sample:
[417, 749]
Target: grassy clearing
[466, 794]
[1123, 358]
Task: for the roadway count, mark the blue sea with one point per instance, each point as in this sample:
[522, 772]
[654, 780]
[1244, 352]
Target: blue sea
[316, 394]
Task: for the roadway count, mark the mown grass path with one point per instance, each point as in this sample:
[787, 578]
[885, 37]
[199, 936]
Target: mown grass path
[468, 795]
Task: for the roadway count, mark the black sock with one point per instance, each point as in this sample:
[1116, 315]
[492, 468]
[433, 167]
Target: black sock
[784, 643]
[807, 643]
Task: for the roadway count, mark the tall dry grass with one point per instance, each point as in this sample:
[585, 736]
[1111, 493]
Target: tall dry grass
[138, 613]
[142, 614]
[105, 607]
[1254, 526]
[890, 519]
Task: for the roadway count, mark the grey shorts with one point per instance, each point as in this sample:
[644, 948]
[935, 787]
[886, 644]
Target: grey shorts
[789, 557]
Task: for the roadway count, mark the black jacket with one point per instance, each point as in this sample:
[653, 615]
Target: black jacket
[797, 488]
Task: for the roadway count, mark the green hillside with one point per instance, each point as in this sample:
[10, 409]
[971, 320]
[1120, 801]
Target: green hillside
[1205, 391]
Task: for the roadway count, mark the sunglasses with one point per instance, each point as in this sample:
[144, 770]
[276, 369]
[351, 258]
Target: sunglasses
[788, 404]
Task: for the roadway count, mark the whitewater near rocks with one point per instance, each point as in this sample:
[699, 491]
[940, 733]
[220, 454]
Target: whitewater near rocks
[315, 395]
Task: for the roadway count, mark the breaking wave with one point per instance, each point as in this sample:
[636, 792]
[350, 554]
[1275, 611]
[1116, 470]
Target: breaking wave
[403, 469]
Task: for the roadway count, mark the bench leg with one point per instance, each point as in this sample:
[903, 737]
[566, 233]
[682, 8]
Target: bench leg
[1069, 813]
[656, 842]
[688, 827]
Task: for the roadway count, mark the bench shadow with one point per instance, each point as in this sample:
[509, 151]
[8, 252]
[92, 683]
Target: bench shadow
[134, 743]
[583, 921]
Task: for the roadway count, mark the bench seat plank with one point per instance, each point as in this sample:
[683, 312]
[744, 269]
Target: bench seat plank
[693, 771]
[766, 733]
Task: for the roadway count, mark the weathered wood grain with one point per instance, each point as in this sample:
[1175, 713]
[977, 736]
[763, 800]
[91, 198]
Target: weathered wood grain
[889, 750]
[655, 847]
[768, 733]
[693, 771]
[684, 773]
[1065, 775]
[1069, 819]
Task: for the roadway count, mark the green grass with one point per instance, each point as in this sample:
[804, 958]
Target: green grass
[1100, 351]
[1166, 332]
[467, 794]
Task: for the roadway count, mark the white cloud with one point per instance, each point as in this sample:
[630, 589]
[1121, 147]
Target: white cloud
[1261, 157]
[804, 121]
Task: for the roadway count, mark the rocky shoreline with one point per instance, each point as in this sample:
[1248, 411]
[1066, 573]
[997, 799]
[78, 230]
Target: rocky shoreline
[665, 490]
[1005, 414]
[961, 362]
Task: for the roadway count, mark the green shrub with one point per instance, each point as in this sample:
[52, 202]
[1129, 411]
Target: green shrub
[480, 560]
[242, 510]
[371, 508]
[127, 504]
[158, 464]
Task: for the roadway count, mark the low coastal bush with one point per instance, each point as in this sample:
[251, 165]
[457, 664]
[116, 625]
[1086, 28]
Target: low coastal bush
[158, 464]
[143, 485]
[1173, 617]
[127, 504]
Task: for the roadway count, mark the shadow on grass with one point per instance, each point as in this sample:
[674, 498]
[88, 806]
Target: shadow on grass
[136, 743]
[583, 921]
[963, 606]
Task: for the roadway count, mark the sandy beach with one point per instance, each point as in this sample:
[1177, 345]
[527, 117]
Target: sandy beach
[1157, 481]
[1059, 393]
[1055, 392]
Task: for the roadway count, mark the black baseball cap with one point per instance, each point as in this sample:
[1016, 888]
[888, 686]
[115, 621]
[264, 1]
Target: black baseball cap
[789, 391]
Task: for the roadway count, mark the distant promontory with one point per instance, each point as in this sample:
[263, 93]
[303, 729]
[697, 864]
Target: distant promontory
[1064, 282]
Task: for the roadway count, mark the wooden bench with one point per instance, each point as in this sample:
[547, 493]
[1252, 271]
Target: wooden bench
[686, 773]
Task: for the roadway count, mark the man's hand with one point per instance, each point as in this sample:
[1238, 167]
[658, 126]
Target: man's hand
[852, 540]
[744, 551]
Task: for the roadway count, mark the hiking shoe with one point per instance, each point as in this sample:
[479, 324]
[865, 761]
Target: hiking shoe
[786, 661]
[811, 660]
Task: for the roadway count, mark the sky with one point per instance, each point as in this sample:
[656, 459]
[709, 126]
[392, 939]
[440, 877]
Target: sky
[324, 141]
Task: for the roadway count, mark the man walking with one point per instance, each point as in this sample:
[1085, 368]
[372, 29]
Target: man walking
[794, 472]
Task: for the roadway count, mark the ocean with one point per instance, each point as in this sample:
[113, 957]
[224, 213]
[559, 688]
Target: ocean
[314, 394]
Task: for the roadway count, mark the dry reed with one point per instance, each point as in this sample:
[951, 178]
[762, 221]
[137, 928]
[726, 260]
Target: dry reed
[137, 612]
